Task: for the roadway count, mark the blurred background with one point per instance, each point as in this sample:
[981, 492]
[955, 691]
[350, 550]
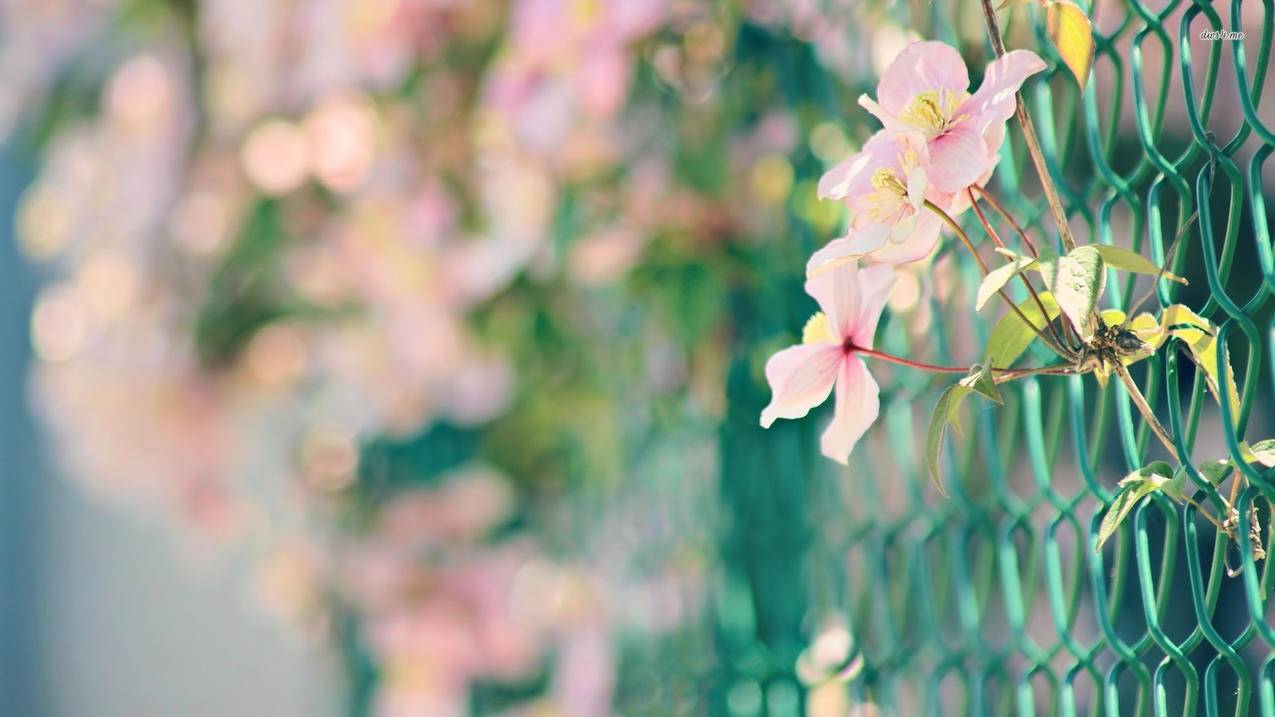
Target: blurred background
[404, 358]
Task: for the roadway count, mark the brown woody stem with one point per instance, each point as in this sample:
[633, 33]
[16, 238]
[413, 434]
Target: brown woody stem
[1135, 393]
[1029, 136]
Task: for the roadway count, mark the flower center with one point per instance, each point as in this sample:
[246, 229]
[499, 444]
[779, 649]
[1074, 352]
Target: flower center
[817, 330]
[933, 111]
[887, 180]
[888, 202]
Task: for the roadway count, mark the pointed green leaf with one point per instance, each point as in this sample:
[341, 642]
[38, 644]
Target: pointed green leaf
[1126, 260]
[997, 278]
[1010, 337]
[946, 411]
[938, 430]
[1125, 500]
[1133, 488]
[980, 380]
[1215, 471]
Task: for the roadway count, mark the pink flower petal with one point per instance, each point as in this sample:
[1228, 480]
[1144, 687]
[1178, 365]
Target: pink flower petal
[800, 378]
[958, 158]
[918, 243]
[875, 285]
[858, 403]
[853, 175]
[837, 291]
[888, 119]
[994, 100]
[859, 242]
[993, 137]
[921, 67]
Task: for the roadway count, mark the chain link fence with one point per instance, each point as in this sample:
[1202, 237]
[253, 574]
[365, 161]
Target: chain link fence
[995, 601]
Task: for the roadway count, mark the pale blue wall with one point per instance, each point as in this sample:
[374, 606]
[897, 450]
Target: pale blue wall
[98, 617]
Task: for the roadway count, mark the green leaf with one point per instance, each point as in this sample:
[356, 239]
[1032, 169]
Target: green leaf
[1069, 27]
[981, 381]
[1261, 452]
[1011, 336]
[1126, 260]
[943, 410]
[997, 278]
[1133, 488]
[948, 412]
[1076, 280]
[1215, 471]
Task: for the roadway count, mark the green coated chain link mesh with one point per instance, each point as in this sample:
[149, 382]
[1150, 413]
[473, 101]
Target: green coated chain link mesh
[995, 601]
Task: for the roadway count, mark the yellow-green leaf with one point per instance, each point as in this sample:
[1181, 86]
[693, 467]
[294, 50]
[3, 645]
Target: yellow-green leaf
[1069, 27]
[1145, 327]
[997, 278]
[1200, 337]
[1010, 337]
[1112, 317]
[1126, 260]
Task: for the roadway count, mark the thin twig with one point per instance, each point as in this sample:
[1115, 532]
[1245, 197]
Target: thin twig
[996, 239]
[1004, 213]
[1029, 137]
[1144, 408]
[955, 226]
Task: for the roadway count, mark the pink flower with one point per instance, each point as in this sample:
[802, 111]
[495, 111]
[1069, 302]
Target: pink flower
[925, 90]
[802, 376]
[885, 187]
[938, 140]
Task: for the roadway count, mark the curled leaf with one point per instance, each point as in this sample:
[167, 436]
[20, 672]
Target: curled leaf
[1200, 337]
[1215, 471]
[1069, 27]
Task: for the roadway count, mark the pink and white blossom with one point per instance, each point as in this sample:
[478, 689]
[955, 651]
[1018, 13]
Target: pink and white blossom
[938, 140]
[926, 90]
[801, 377]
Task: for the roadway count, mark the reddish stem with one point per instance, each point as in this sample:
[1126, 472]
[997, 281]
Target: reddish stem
[1002, 374]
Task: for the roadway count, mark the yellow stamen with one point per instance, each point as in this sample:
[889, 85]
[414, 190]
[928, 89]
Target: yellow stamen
[932, 111]
[886, 180]
[817, 330]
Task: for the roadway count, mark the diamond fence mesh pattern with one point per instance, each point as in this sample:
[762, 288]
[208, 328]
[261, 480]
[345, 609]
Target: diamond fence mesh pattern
[995, 601]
